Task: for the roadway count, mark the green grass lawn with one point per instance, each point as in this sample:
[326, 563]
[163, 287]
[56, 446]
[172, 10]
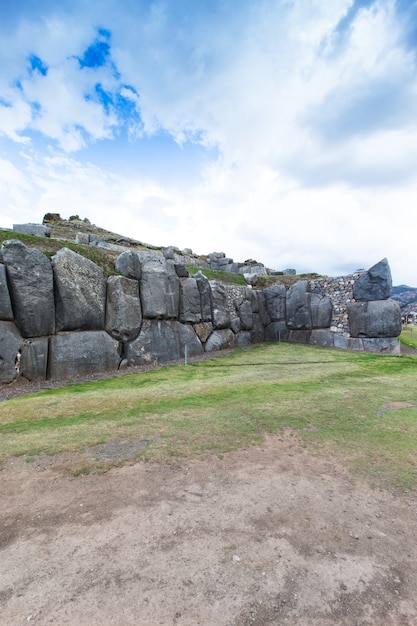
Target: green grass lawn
[409, 336]
[362, 407]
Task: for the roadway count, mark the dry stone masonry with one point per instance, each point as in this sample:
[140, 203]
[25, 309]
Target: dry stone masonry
[64, 318]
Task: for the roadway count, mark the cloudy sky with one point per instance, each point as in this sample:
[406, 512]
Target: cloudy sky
[280, 130]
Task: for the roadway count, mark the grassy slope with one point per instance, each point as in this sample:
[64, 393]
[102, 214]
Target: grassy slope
[63, 234]
[362, 405]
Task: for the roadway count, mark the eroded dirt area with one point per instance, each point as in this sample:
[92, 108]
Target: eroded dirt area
[265, 535]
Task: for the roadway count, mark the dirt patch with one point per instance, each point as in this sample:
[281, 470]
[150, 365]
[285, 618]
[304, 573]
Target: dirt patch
[266, 535]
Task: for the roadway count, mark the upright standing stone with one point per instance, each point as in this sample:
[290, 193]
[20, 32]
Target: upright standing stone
[80, 292]
[159, 287]
[320, 310]
[11, 346]
[375, 284]
[204, 288]
[298, 306]
[128, 264]
[34, 361]
[220, 311]
[6, 311]
[123, 310]
[190, 304]
[275, 298]
[31, 289]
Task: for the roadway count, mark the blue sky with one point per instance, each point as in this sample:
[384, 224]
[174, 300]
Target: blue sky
[281, 130]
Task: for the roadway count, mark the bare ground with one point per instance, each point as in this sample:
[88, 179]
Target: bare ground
[265, 535]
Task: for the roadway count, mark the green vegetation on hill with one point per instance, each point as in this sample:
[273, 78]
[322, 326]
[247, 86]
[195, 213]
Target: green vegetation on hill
[49, 246]
[361, 406]
[228, 278]
[63, 234]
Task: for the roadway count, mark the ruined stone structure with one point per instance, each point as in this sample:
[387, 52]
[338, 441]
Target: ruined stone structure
[64, 318]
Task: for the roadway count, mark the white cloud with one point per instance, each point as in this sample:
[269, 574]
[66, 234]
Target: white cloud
[313, 118]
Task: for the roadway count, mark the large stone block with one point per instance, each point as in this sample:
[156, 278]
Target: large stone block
[34, 361]
[245, 313]
[379, 318]
[75, 354]
[298, 306]
[161, 341]
[11, 347]
[321, 311]
[299, 336]
[275, 299]
[6, 311]
[128, 264]
[343, 342]
[159, 287]
[276, 331]
[30, 281]
[322, 337]
[220, 340]
[203, 330]
[123, 310]
[258, 329]
[220, 312]
[242, 339]
[190, 302]
[80, 292]
[38, 230]
[384, 319]
[382, 345]
[205, 296]
[375, 284]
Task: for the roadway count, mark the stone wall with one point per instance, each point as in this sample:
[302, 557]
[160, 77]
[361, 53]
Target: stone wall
[64, 318]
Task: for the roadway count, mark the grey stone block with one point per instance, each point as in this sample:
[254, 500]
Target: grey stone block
[30, 281]
[161, 341]
[37, 230]
[11, 347]
[74, 354]
[34, 361]
[123, 310]
[375, 284]
[220, 340]
[6, 311]
[80, 292]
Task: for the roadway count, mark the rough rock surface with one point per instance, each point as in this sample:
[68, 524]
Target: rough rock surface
[11, 346]
[160, 341]
[220, 339]
[298, 306]
[375, 284]
[220, 311]
[38, 230]
[34, 360]
[379, 318]
[80, 292]
[74, 354]
[6, 311]
[30, 282]
[123, 310]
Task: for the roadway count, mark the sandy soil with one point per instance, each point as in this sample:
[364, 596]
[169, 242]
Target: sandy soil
[265, 535]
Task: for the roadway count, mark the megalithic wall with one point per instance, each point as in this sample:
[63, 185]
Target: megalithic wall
[63, 318]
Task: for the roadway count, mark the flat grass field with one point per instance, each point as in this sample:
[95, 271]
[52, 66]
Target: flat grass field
[363, 407]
